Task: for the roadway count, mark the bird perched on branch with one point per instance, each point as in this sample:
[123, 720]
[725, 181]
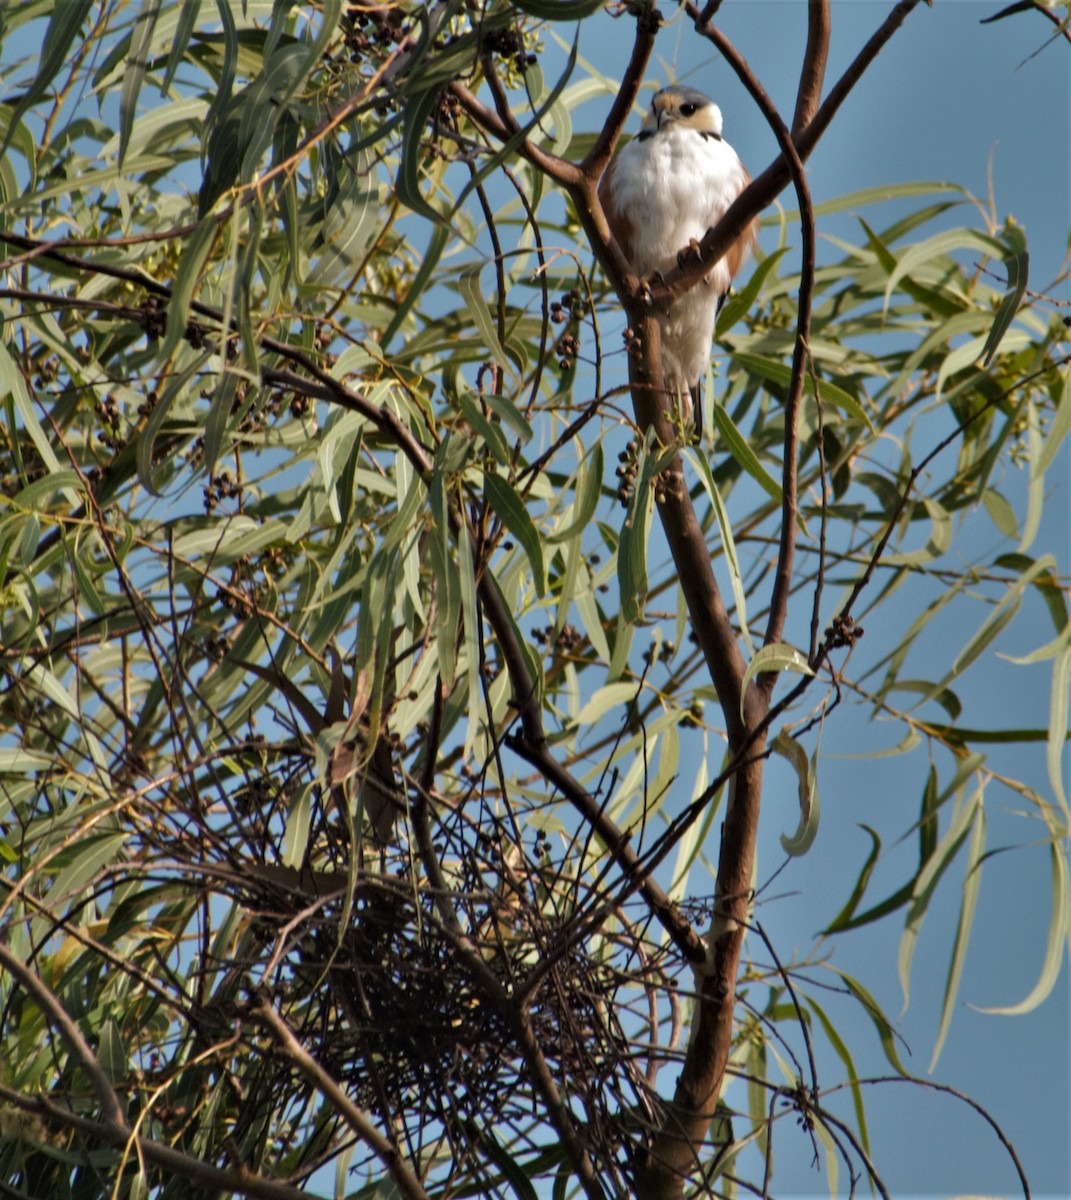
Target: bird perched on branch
[661, 194]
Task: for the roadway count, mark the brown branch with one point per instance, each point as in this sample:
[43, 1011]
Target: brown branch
[815, 58]
[385, 1150]
[506, 128]
[53, 1011]
[677, 1147]
[945, 1090]
[765, 188]
[239, 1181]
[113, 1128]
[793, 401]
[711, 624]
[598, 157]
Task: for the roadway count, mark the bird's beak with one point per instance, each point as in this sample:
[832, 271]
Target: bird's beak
[665, 116]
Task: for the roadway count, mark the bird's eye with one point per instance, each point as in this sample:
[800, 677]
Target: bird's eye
[689, 110]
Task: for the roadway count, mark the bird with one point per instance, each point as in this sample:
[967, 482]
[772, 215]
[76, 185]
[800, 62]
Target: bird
[661, 193]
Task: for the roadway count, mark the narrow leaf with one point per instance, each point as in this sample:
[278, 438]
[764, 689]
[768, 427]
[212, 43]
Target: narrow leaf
[1017, 265]
[972, 881]
[510, 510]
[807, 829]
[777, 656]
[186, 281]
[136, 65]
[741, 451]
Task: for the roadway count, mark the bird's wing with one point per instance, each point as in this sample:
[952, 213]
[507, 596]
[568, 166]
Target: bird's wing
[620, 225]
[733, 259]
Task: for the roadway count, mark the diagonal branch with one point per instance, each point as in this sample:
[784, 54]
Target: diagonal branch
[386, 1150]
[238, 1182]
[765, 188]
[50, 1006]
[815, 57]
[789, 507]
[598, 157]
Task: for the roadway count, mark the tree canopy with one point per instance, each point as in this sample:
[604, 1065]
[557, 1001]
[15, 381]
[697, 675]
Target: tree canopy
[391, 678]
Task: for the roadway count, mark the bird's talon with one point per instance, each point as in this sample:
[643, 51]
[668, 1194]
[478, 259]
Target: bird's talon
[692, 252]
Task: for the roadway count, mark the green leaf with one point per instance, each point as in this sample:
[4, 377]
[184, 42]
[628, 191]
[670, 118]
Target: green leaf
[930, 298]
[741, 451]
[844, 1054]
[972, 881]
[469, 284]
[739, 304]
[587, 493]
[447, 582]
[1058, 429]
[880, 1021]
[187, 279]
[926, 884]
[560, 10]
[632, 548]
[491, 433]
[1059, 933]
[780, 373]
[64, 25]
[1017, 264]
[1058, 736]
[938, 248]
[510, 510]
[471, 621]
[806, 774]
[298, 824]
[1001, 513]
[351, 216]
[725, 528]
[843, 919]
[606, 700]
[136, 65]
[186, 23]
[77, 865]
[927, 827]
[776, 656]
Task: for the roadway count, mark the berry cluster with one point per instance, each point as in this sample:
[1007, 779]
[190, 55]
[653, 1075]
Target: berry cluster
[508, 44]
[372, 30]
[567, 311]
[568, 640]
[667, 482]
[108, 411]
[843, 632]
[153, 318]
[626, 472]
[223, 486]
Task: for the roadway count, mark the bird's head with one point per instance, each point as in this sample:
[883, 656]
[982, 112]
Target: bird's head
[684, 108]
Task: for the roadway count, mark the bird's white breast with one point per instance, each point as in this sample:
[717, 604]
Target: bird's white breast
[674, 186]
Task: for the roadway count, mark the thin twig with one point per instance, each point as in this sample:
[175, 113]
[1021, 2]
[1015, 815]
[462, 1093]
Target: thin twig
[386, 1150]
[54, 1011]
[238, 1181]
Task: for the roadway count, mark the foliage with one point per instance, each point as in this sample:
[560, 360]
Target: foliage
[359, 758]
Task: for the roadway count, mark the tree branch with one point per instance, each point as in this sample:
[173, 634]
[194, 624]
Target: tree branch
[50, 1006]
[174, 1162]
[385, 1150]
[598, 157]
[765, 188]
[793, 401]
[815, 57]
